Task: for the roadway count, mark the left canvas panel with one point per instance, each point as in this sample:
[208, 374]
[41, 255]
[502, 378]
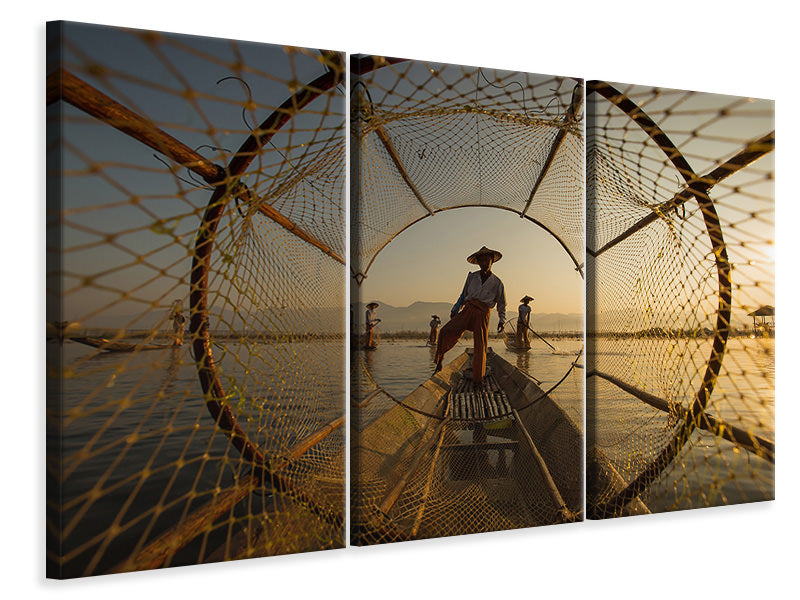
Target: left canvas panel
[195, 300]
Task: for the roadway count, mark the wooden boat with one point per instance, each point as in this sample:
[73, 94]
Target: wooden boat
[362, 341]
[451, 459]
[114, 346]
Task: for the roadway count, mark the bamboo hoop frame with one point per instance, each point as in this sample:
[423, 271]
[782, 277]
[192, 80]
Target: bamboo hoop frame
[207, 370]
[699, 190]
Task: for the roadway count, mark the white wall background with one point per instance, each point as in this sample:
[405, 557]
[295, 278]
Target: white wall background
[744, 48]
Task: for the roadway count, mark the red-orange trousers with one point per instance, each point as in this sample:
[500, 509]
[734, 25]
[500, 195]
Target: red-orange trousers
[475, 318]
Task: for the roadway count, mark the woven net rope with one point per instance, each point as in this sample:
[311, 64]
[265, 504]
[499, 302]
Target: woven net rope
[427, 138]
[430, 137]
[195, 302]
[680, 288]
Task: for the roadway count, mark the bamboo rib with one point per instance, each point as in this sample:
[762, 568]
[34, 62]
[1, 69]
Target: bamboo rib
[387, 143]
[572, 111]
[157, 552]
[699, 185]
[552, 489]
[749, 441]
[73, 90]
[390, 498]
[369, 398]
[61, 84]
[429, 480]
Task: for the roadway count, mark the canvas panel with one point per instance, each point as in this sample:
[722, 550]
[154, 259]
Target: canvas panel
[680, 299]
[195, 300]
[446, 159]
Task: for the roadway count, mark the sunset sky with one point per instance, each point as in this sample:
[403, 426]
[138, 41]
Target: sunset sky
[427, 262]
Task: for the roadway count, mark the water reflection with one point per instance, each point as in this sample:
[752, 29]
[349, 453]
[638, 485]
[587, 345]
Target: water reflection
[523, 361]
[136, 435]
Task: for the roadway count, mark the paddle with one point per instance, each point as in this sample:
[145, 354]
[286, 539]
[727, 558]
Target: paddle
[541, 338]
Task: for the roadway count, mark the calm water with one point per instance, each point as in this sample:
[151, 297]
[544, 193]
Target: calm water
[629, 432]
[400, 366]
[140, 449]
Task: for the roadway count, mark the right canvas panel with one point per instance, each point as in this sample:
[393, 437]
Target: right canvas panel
[680, 300]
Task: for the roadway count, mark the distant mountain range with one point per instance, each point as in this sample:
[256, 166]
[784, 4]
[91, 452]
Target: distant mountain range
[417, 316]
[324, 321]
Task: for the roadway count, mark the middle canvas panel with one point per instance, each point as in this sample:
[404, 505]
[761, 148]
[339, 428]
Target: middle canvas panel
[467, 246]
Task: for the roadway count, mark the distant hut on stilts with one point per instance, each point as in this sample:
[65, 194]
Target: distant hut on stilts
[763, 327]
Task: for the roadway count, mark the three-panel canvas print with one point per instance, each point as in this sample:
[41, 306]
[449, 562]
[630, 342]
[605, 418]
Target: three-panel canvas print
[532, 300]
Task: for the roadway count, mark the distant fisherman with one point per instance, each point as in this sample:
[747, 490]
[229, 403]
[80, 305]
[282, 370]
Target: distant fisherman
[371, 323]
[178, 323]
[482, 290]
[524, 323]
[435, 322]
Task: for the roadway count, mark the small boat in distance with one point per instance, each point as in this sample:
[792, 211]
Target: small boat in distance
[510, 338]
[114, 346]
[175, 315]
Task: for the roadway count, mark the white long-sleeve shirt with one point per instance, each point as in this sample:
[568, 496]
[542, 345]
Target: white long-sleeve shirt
[524, 312]
[491, 292]
[371, 321]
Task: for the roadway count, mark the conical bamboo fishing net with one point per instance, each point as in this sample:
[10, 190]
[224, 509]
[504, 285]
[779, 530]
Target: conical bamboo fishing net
[680, 394]
[429, 137]
[448, 460]
[194, 184]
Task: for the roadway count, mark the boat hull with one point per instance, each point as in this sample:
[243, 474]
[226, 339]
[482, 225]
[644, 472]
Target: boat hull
[428, 467]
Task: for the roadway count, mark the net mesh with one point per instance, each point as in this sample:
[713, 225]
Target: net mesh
[680, 294]
[451, 460]
[429, 137]
[447, 459]
[195, 300]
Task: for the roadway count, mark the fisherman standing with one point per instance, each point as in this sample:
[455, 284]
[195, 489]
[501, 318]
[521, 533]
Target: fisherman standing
[524, 323]
[371, 323]
[482, 291]
[435, 322]
[178, 323]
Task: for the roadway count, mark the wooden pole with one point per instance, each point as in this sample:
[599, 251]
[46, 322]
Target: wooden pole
[552, 489]
[426, 491]
[541, 338]
[390, 498]
[570, 117]
[369, 398]
[157, 552]
[387, 143]
[749, 441]
[62, 84]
